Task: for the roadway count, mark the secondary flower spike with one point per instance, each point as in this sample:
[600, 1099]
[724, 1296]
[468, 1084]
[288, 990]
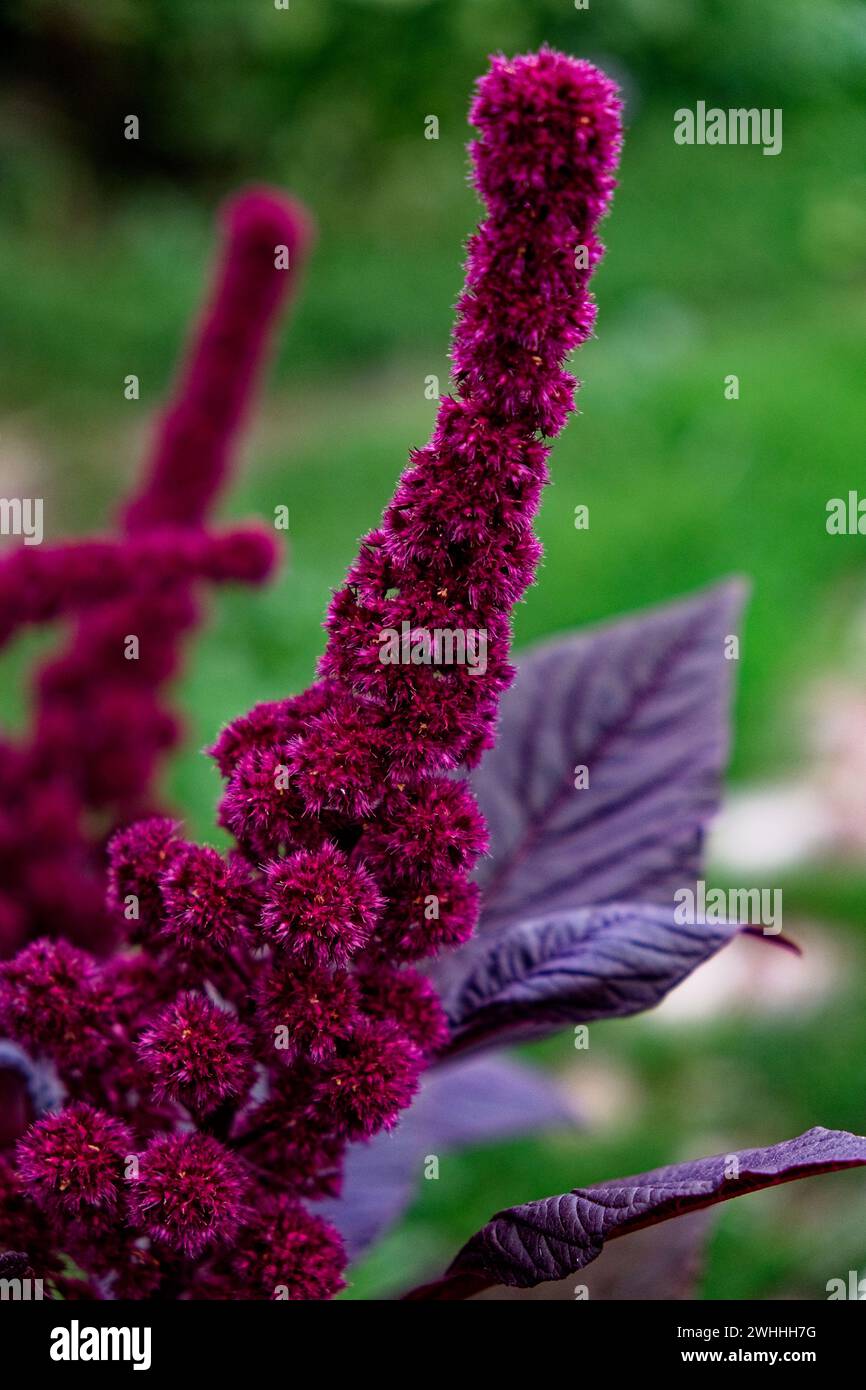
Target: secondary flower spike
[101, 724]
[285, 960]
[266, 238]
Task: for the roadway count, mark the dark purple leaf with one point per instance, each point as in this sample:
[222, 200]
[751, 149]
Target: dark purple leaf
[576, 967]
[477, 1102]
[643, 705]
[662, 1263]
[556, 1237]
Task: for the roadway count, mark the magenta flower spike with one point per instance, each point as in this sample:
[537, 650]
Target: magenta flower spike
[456, 549]
[288, 957]
[261, 1041]
[266, 237]
[73, 577]
[101, 724]
[266, 240]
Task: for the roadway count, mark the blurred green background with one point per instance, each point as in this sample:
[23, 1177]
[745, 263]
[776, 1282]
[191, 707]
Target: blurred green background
[720, 261]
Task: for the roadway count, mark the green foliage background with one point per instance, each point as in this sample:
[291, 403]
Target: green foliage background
[720, 261]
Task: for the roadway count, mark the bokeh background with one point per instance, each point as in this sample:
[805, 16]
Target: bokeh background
[720, 261]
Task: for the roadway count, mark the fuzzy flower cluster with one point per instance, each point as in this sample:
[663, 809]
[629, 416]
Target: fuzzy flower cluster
[100, 722]
[267, 1011]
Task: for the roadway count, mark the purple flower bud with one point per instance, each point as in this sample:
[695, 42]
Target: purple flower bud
[260, 806]
[425, 836]
[319, 906]
[373, 1077]
[189, 1193]
[271, 723]
[209, 902]
[289, 1254]
[407, 999]
[293, 1135]
[52, 1001]
[197, 1054]
[137, 859]
[337, 762]
[423, 919]
[317, 1007]
[73, 1163]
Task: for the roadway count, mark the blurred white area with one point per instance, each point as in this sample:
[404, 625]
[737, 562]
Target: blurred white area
[771, 827]
[839, 775]
[757, 975]
[601, 1092]
[21, 466]
[816, 817]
